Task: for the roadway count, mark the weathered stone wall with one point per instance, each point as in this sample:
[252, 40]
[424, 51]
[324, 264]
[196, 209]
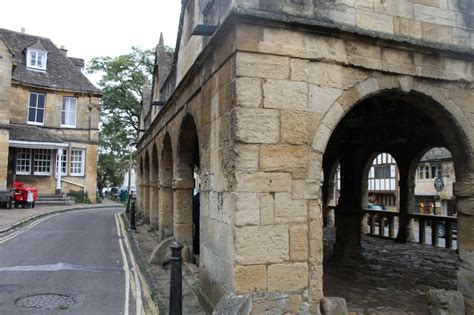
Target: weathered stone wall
[292, 88]
[206, 96]
[5, 79]
[447, 22]
[265, 99]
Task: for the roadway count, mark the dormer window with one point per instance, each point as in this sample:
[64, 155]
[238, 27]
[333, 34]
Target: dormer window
[36, 59]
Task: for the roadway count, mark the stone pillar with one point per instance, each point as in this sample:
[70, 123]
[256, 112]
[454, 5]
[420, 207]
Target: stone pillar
[183, 210]
[154, 204]
[146, 202]
[328, 194]
[348, 211]
[406, 190]
[464, 192]
[165, 221]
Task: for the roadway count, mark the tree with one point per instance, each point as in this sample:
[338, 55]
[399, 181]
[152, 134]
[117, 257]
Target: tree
[122, 87]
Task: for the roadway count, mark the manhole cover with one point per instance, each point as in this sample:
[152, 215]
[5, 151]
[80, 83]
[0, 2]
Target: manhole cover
[48, 301]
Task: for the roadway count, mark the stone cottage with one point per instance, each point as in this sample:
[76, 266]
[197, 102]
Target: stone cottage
[49, 114]
[265, 98]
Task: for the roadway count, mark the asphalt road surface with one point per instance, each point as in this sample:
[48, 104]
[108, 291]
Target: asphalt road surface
[71, 263]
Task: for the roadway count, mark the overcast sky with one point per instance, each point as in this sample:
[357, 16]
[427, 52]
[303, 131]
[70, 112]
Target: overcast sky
[91, 28]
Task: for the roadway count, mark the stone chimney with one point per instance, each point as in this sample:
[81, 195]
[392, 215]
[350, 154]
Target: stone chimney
[63, 50]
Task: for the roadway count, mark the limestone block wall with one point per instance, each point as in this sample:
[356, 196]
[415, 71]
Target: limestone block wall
[5, 81]
[449, 22]
[292, 88]
[265, 100]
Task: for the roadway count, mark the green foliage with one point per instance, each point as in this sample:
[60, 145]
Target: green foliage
[112, 169]
[79, 196]
[122, 87]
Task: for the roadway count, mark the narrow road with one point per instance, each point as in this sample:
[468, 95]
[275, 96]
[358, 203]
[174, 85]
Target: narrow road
[76, 262]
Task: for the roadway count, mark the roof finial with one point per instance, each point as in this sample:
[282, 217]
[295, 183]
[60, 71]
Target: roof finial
[161, 42]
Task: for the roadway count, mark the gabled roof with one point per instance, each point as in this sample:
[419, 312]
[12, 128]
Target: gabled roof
[60, 73]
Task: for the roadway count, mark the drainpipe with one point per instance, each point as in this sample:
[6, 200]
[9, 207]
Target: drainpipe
[59, 155]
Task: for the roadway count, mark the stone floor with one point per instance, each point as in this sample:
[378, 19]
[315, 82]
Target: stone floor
[391, 278]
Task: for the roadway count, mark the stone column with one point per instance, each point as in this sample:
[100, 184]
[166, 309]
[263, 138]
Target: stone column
[464, 192]
[183, 210]
[146, 202]
[165, 221]
[406, 185]
[154, 205]
[348, 211]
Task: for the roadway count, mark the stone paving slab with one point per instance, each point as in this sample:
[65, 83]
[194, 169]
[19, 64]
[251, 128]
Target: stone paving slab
[391, 278]
[10, 218]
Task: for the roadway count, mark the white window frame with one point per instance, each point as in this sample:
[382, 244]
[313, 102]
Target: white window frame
[63, 165]
[35, 109]
[73, 160]
[40, 157]
[27, 160]
[36, 53]
[66, 110]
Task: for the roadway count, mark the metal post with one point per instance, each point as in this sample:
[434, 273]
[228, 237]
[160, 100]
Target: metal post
[176, 284]
[132, 216]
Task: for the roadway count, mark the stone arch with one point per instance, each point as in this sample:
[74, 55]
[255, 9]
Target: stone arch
[186, 213]
[165, 172]
[154, 189]
[404, 85]
[443, 119]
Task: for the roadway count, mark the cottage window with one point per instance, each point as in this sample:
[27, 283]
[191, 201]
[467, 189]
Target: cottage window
[42, 162]
[23, 161]
[68, 112]
[36, 108]
[63, 163]
[77, 162]
[36, 59]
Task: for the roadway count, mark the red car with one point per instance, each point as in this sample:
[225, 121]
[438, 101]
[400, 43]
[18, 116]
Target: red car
[24, 196]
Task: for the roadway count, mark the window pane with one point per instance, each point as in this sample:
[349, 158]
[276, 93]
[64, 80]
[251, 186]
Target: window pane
[31, 114]
[39, 115]
[63, 118]
[41, 98]
[33, 98]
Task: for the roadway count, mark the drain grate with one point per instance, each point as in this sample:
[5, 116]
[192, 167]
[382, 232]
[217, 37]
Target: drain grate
[47, 301]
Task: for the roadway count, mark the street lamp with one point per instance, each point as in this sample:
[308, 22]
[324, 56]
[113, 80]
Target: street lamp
[131, 143]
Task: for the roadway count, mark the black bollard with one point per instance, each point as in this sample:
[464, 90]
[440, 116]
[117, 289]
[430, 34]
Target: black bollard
[176, 285]
[132, 215]
[127, 209]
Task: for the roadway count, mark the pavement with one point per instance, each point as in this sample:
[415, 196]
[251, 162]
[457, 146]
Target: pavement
[12, 218]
